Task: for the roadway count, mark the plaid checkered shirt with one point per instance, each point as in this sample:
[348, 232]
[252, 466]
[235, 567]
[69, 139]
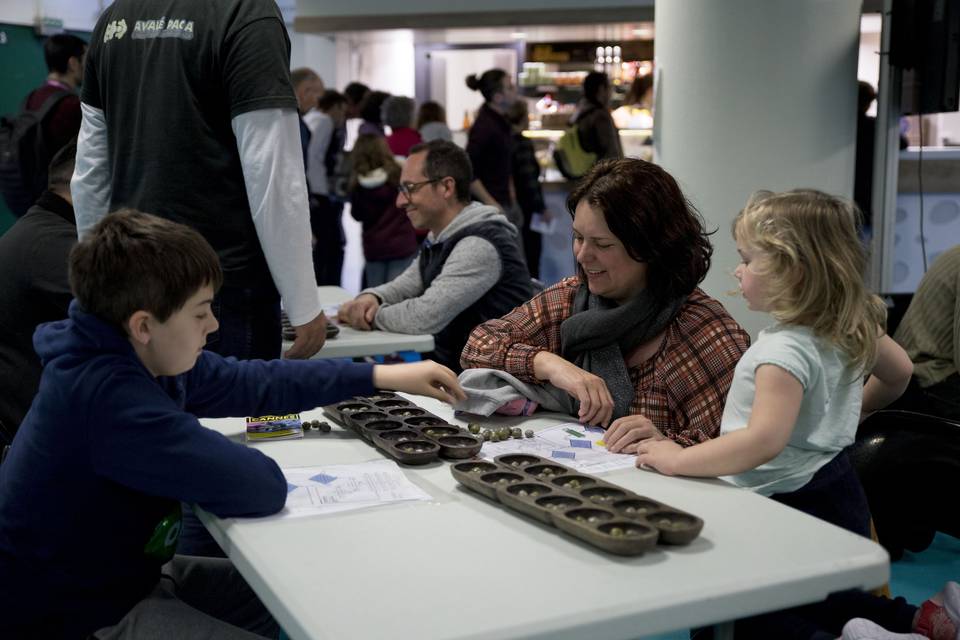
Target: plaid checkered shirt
[681, 389]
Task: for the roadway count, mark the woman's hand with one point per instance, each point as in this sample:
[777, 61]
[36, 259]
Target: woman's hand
[596, 403]
[426, 378]
[661, 455]
[626, 432]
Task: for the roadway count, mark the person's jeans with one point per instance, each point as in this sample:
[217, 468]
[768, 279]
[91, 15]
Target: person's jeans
[249, 323]
[196, 598]
[380, 272]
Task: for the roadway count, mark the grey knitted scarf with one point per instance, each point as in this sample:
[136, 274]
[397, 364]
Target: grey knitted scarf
[600, 333]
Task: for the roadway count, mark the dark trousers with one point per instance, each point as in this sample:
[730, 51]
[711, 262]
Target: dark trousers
[532, 247]
[326, 224]
[196, 598]
[833, 494]
[249, 323]
[941, 400]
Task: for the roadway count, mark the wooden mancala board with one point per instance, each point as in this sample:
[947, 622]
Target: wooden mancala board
[402, 430]
[601, 514]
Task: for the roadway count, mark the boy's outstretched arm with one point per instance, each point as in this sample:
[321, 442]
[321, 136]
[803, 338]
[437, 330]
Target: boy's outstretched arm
[224, 387]
[425, 378]
[776, 405]
[889, 377]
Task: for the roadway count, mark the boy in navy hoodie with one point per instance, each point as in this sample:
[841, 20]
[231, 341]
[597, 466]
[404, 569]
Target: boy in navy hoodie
[90, 492]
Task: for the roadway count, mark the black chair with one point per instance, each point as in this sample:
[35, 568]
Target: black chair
[909, 465]
[6, 434]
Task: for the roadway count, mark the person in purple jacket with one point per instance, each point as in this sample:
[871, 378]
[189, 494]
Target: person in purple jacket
[389, 240]
[91, 489]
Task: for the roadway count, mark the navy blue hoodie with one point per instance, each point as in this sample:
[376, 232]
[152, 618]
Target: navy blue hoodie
[107, 451]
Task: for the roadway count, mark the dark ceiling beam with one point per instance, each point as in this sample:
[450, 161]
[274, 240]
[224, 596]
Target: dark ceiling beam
[327, 24]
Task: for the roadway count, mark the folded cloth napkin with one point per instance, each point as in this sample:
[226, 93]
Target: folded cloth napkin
[490, 389]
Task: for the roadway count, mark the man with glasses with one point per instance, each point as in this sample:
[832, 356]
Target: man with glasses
[469, 270]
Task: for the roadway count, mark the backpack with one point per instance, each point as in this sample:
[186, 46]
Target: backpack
[571, 158]
[22, 151]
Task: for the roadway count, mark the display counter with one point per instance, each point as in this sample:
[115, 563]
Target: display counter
[636, 143]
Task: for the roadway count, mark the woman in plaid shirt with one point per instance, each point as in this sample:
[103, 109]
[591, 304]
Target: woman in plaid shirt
[633, 341]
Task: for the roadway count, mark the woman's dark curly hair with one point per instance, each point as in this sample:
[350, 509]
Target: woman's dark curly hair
[646, 210]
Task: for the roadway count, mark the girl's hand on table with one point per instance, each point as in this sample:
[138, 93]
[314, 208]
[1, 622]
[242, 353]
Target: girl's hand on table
[661, 455]
[624, 434]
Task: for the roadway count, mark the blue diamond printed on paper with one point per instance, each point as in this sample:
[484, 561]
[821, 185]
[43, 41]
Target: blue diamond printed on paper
[581, 444]
[323, 478]
[563, 454]
[291, 487]
[595, 429]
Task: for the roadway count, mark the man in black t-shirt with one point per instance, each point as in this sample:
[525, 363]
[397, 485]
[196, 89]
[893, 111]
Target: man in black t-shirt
[189, 113]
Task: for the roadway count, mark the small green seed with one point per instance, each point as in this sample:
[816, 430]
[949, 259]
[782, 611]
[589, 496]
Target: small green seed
[473, 427]
[529, 433]
[616, 532]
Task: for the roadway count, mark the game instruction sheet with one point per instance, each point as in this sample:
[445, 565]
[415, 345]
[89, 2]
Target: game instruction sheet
[571, 443]
[335, 488]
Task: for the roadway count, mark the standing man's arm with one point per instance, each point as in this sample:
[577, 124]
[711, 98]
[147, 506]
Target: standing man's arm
[92, 184]
[269, 144]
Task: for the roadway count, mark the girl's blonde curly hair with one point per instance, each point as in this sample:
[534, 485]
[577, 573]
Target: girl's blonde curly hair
[813, 263]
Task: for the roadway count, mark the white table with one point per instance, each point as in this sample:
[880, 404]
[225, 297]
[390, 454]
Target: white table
[463, 567]
[351, 343]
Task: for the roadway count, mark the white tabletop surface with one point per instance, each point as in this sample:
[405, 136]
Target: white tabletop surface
[465, 567]
[351, 343]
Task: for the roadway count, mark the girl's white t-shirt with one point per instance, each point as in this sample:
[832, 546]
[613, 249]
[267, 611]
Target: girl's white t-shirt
[829, 413]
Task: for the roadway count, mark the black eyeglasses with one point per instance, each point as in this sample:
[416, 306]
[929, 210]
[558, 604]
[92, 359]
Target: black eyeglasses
[410, 188]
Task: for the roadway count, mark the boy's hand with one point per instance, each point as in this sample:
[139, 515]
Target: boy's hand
[359, 312]
[624, 434]
[309, 340]
[425, 378]
[661, 455]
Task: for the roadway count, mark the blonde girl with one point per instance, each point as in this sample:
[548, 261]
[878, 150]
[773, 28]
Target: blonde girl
[798, 394]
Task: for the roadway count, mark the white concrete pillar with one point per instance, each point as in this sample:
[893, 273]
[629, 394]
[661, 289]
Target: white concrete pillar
[754, 94]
